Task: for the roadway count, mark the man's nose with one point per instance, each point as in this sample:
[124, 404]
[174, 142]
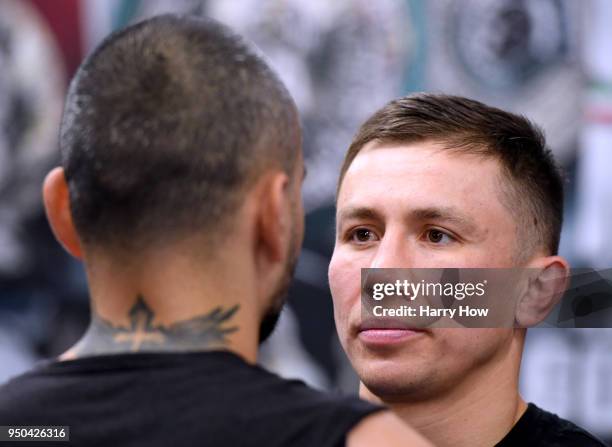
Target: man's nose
[393, 252]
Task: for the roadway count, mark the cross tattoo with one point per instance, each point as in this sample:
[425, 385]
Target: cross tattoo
[142, 330]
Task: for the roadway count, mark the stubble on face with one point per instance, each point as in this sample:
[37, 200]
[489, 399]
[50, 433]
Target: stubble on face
[279, 296]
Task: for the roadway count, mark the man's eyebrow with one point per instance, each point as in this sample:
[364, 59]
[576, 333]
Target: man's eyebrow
[358, 213]
[448, 214]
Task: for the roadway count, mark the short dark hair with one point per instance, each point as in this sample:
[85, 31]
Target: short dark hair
[165, 125]
[534, 190]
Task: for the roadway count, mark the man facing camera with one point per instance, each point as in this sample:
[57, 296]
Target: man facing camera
[434, 181]
[181, 192]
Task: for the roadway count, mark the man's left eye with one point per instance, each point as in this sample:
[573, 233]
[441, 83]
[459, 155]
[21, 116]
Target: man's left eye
[438, 237]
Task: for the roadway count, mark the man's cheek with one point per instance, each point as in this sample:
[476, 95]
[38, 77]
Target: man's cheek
[344, 282]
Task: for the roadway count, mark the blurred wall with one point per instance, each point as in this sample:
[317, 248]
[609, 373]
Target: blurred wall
[547, 59]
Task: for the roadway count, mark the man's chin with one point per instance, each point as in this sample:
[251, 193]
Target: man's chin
[390, 390]
[279, 297]
[268, 324]
[394, 382]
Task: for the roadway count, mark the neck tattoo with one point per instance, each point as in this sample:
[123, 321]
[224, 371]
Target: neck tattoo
[202, 332]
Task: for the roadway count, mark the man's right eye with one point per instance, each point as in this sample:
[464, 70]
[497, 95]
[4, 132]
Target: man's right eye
[362, 235]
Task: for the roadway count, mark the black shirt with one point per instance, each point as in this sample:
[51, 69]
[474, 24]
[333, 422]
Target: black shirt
[177, 399]
[543, 429]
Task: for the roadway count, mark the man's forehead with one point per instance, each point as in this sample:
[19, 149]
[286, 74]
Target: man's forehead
[419, 156]
[416, 168]
[421, 181]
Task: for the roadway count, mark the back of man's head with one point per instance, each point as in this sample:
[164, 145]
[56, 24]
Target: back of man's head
[166, 125]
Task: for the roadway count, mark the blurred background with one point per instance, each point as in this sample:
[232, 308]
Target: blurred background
[548, 59]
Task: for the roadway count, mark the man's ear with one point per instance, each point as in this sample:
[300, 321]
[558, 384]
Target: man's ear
[57, 207]
[273, 216]
[548, 278]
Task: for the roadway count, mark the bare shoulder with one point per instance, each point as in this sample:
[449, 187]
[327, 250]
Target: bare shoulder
[386, 430]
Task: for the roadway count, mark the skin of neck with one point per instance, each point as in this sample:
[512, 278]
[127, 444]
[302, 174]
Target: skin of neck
[480, 411]
[179, 297]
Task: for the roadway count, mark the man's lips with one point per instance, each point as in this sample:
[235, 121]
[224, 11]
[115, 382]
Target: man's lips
[381, 332]
[383, 337]
[380, 323]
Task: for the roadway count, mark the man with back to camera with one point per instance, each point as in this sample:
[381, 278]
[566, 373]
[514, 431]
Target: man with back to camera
[433, 181]
[181, 192]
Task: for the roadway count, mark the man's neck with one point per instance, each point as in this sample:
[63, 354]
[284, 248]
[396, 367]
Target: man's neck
[167, 307]
[479, 412]
[208, 331]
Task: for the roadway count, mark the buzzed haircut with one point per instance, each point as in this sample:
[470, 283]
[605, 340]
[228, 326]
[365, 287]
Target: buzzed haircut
[531, 183]
[166, 124]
